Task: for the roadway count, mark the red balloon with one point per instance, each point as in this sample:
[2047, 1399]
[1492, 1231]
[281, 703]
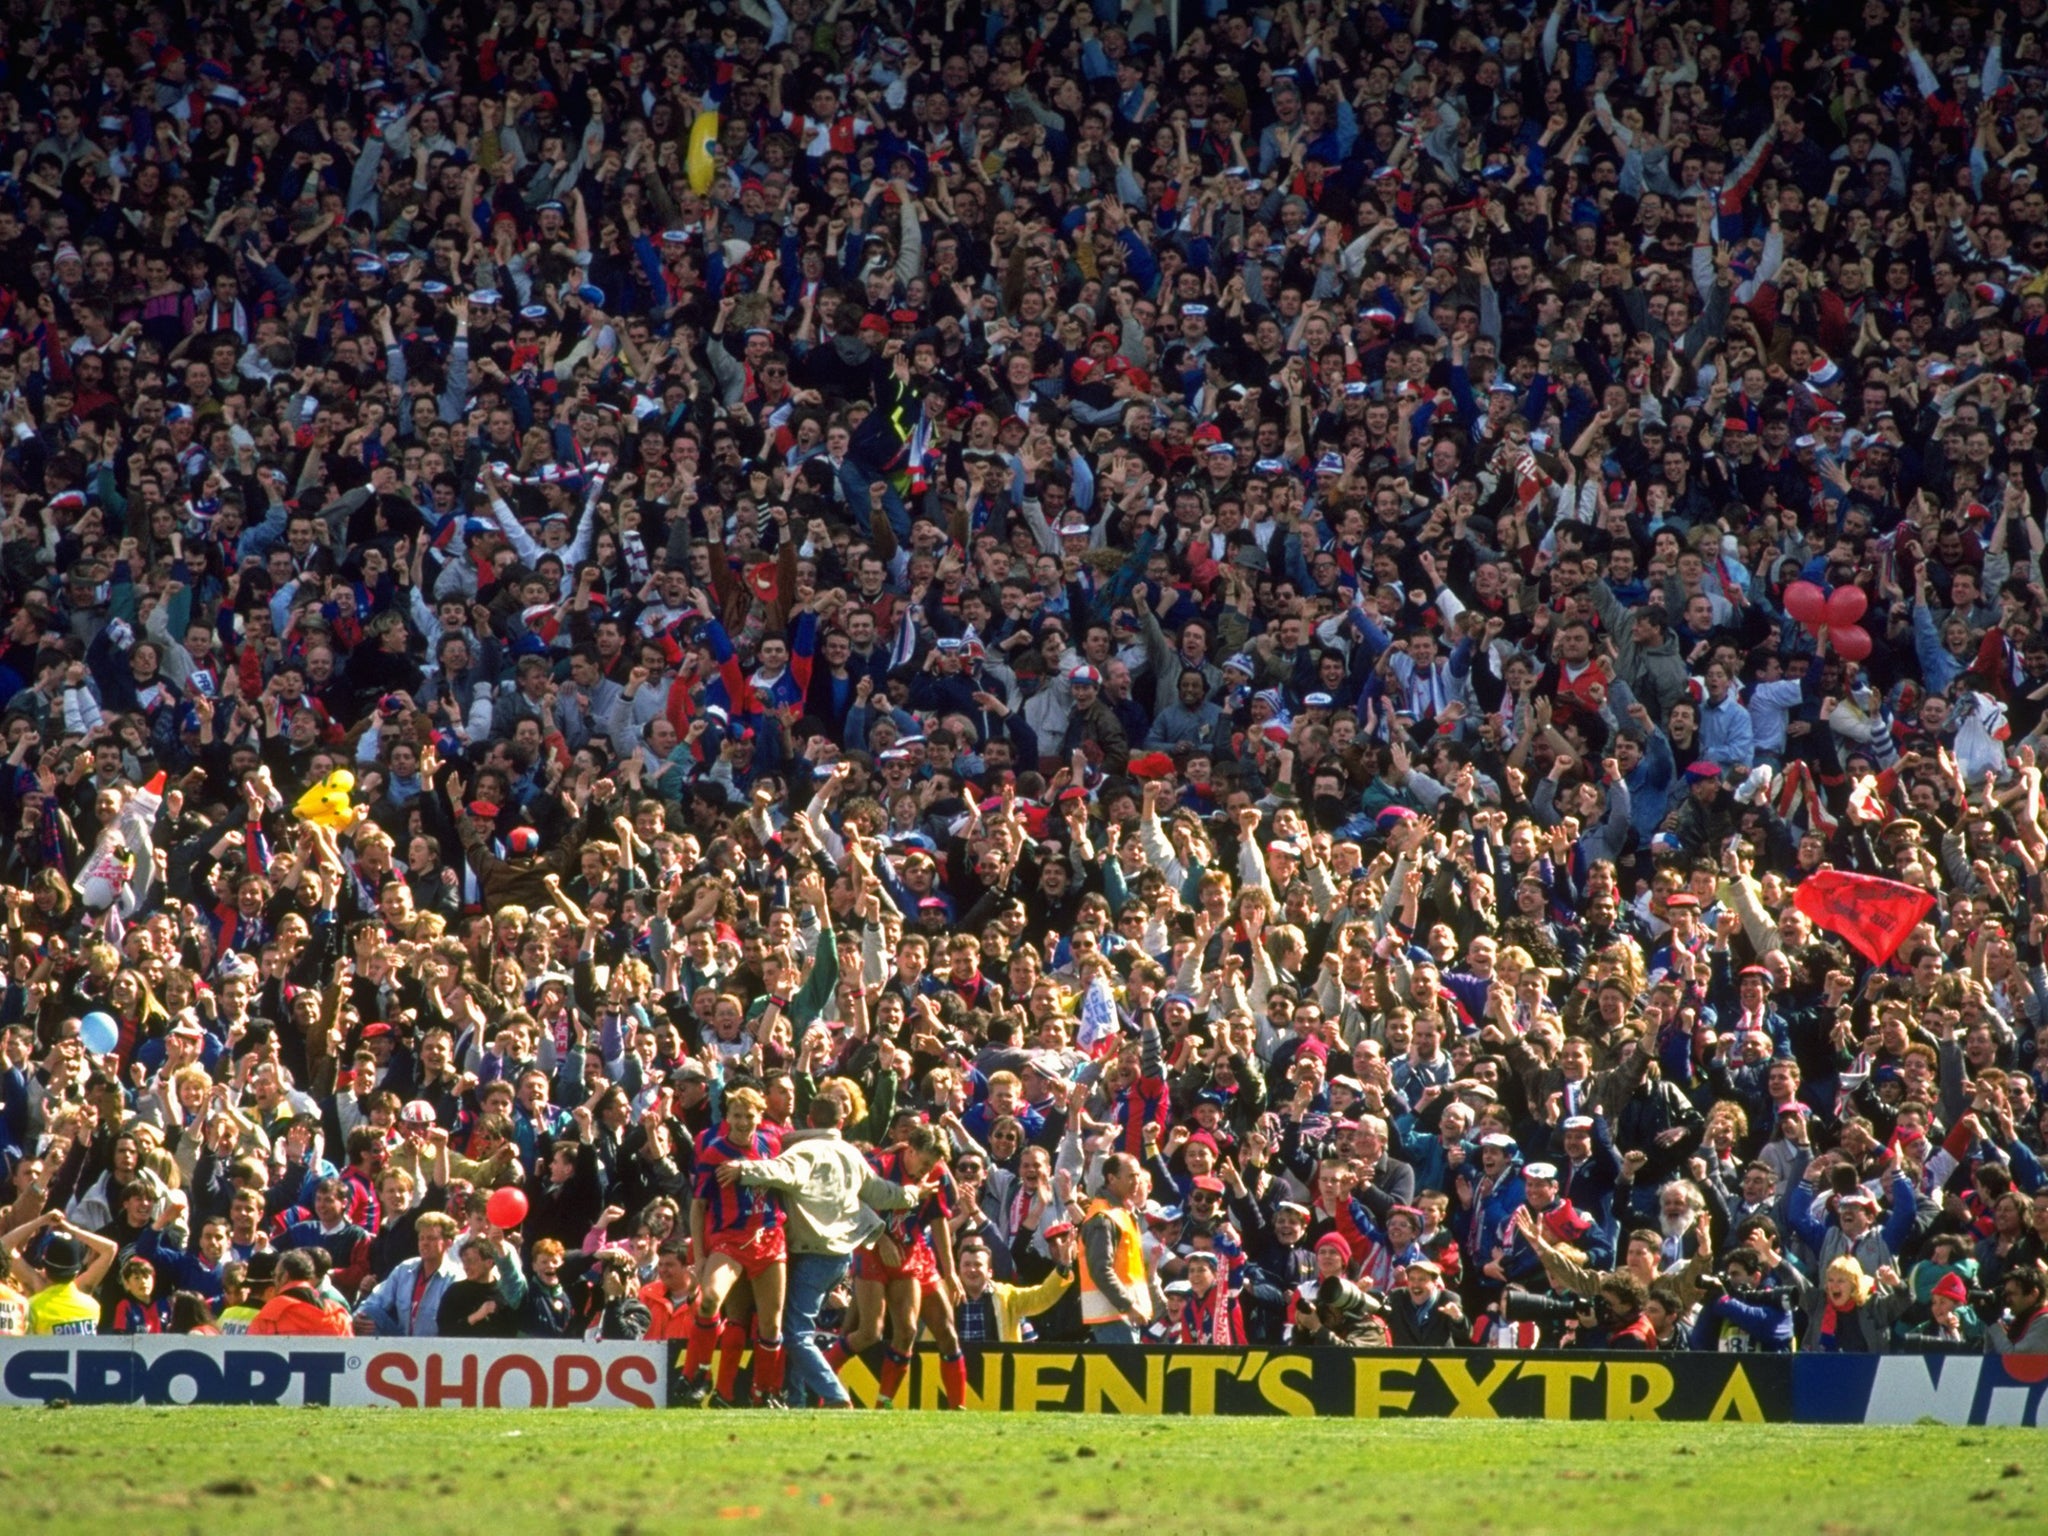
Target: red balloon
[1851, 642]
[1846, 605]
[506, 1207]
[1807, 603]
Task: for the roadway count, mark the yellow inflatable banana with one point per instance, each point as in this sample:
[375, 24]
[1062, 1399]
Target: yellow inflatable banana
[697, 164]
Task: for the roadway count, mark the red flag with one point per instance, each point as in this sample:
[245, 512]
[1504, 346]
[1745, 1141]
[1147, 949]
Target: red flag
[1872, 914]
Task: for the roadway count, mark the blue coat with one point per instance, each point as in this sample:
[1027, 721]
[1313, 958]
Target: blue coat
[390, 1306]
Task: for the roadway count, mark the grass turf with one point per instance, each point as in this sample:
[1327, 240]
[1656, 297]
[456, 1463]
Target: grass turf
[219, 1471]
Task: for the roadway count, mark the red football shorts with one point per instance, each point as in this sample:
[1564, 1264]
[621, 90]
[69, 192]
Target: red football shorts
[754, 1250]
[919, 1264]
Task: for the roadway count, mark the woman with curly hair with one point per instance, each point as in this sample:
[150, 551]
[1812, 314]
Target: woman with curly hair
[1852, 1311]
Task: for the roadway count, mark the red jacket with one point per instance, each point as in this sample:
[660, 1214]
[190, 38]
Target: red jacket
[1637, 1333]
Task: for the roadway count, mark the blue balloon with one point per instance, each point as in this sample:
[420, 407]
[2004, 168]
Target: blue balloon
[99, 1032]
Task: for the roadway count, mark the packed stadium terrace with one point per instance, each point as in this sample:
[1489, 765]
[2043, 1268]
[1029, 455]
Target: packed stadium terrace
[848, 682]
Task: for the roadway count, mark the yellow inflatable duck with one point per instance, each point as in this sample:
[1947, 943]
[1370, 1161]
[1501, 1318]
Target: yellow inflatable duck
[326, 803]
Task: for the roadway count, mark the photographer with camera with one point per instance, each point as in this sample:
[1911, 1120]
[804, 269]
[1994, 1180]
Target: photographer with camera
[1567, 1269]
[1614, 1318]
[1342, 1316]
[2024, 1328]
[1529, 1320]
[1740, 1313]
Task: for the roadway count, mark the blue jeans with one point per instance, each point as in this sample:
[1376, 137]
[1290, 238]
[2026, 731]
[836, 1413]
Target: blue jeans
[1118, 1332]
[811, 1278]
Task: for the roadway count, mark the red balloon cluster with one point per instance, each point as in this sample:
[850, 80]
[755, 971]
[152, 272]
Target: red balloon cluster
[1833, 615]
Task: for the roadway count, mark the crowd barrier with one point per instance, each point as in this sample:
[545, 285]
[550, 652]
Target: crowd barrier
[1303, 1383]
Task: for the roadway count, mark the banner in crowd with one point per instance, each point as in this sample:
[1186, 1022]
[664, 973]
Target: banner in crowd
[337, 1373]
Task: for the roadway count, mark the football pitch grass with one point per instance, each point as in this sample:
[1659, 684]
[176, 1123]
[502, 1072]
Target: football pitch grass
[223, 1470]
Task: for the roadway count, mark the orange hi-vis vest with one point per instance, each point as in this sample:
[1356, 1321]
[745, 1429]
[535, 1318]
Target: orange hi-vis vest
[1097, 1306]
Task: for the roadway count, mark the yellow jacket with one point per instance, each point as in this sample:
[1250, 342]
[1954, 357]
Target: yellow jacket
[1014, 1303]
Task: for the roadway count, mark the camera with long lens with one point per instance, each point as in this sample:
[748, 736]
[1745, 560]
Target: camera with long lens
[1559, 1307]
[1765, 1295]
[1711, 1286]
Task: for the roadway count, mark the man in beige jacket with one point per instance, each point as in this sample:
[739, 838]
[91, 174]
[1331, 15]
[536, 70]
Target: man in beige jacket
[831, 1195]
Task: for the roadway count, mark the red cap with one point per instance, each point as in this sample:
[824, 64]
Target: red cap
[1563, 1220]
[487, 809]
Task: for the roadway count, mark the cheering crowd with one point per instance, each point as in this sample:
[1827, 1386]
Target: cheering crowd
[868, 677]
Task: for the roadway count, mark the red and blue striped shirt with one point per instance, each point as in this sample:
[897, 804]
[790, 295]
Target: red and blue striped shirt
[913, 1227]
[735, 1207]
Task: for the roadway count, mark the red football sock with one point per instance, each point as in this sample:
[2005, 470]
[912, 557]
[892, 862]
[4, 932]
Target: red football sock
[953, 1376]
[893, 1367]
[732, 1340]
[703, 1336]
[837, 1354]
[769, 1361]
